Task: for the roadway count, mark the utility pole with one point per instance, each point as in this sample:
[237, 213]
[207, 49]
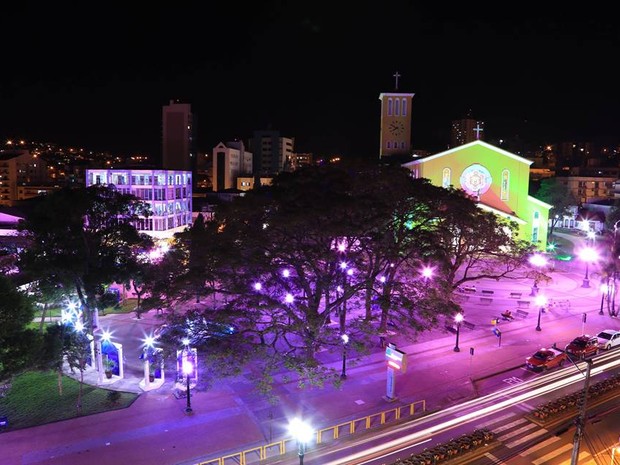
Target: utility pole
[580, 423]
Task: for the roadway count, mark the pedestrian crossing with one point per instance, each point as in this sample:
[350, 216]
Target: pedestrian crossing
[515, 432]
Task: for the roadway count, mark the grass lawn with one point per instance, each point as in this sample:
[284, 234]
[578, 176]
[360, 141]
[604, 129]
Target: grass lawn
[33, 399]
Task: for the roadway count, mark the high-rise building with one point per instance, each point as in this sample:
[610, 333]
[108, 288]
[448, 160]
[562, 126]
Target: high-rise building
[466, 130]
[272, 153]
[395, 135]
[230, 161]
[178, 137]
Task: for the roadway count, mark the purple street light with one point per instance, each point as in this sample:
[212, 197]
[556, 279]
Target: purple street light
[588, 255]
[458, 320]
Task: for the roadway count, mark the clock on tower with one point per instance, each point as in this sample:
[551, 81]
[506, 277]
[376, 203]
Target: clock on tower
[395, 135]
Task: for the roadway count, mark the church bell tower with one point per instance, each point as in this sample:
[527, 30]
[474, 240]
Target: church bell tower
[395, 135]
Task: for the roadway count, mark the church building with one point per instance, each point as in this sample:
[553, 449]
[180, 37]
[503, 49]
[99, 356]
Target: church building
[498, 179]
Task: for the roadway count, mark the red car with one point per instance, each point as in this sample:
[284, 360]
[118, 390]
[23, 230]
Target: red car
[545, 359]
[583, 346]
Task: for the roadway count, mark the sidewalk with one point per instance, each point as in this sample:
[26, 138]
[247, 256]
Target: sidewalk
[231, 417]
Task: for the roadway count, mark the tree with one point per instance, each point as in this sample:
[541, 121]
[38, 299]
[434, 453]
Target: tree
[557, 194]
[18, 344]
[84, 239]
[473, 243]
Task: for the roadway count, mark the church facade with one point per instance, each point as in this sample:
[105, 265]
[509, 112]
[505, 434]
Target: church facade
[497, 179]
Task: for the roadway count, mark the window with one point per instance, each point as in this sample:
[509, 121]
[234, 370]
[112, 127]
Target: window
[505, 187]
[445, 178]
[397, 107]
[389, 109]
[404, 107]
[389, 144]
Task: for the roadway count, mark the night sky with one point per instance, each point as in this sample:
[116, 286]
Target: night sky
[97, 75]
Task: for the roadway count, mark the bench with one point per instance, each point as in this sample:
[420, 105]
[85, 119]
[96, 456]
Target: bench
[523, 303]
[451, 329]
[468, 325]
[522, 313]
[486, 300]
[516, 295]
[486, 292]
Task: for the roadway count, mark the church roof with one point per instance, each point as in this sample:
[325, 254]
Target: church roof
[470, 144]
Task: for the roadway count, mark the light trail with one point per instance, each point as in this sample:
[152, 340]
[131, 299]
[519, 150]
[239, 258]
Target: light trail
[535, 388]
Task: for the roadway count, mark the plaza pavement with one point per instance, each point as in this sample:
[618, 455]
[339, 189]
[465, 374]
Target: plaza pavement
[230, 417]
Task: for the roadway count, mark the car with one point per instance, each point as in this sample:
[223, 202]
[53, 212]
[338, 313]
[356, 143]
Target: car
[546, 359]
[608, 339]
[583, 346]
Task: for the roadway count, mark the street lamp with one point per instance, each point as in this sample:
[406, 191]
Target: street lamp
[539, 261]
[188, 369]
[604, 290]
[303, 433]
[541, 301]
[458, 319]
[587, 254]
[345, 340]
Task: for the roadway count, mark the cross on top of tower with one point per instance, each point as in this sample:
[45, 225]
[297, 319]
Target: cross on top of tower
[396, 75]
[477, 130]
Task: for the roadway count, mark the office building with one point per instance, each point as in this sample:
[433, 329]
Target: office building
[167, 192]
[230, 160]
[177, 137]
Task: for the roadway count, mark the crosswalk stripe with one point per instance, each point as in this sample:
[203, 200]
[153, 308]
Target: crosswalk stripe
[514, 433]
[540, 445]
[551, 455]
[495, 420]
[495, 460]
[510, 425]
[529, 437]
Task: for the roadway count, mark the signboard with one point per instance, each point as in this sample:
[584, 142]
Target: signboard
[396, 359]
[497, 332]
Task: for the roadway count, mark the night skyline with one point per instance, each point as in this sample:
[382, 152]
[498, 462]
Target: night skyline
[314, 75]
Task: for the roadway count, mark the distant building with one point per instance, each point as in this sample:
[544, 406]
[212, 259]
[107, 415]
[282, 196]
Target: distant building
[167, 192]
[466, 130]
[246, 183]
[272, 153]
[23, 175]
[230, 160]
[587, 189]
[178, 137]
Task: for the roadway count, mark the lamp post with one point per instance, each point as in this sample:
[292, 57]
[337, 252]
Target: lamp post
[458, 319]
[604, 290]
[188, 369]
[303, 433]
[541, 301]
[345, 341]
[539, 262]
[587, 254]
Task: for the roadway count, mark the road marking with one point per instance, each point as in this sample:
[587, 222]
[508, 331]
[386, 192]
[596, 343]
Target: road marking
[535, 434]
[512, 380]
[510, 425]
[540, 445]
[518, 431]
[495, 460]
[551, 455]
[496, 420]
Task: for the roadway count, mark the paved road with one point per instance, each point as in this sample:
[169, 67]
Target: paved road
[230, 417]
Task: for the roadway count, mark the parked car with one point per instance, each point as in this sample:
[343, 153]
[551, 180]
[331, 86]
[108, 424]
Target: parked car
[608, 339]
[583, 346]
[546, 359]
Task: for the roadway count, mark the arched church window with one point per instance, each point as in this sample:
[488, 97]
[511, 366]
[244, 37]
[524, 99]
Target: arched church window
[404, 107]
[505, 186]
[445, 178]
[397, 107]
[390, 103]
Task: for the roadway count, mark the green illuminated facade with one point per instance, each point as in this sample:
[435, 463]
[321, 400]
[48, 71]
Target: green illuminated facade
[497, 179]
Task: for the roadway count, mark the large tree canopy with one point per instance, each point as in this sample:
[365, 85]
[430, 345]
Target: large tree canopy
[291, 260]
[554, 192]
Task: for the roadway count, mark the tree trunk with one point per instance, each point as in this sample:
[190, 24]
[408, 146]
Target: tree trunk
[43, 314]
